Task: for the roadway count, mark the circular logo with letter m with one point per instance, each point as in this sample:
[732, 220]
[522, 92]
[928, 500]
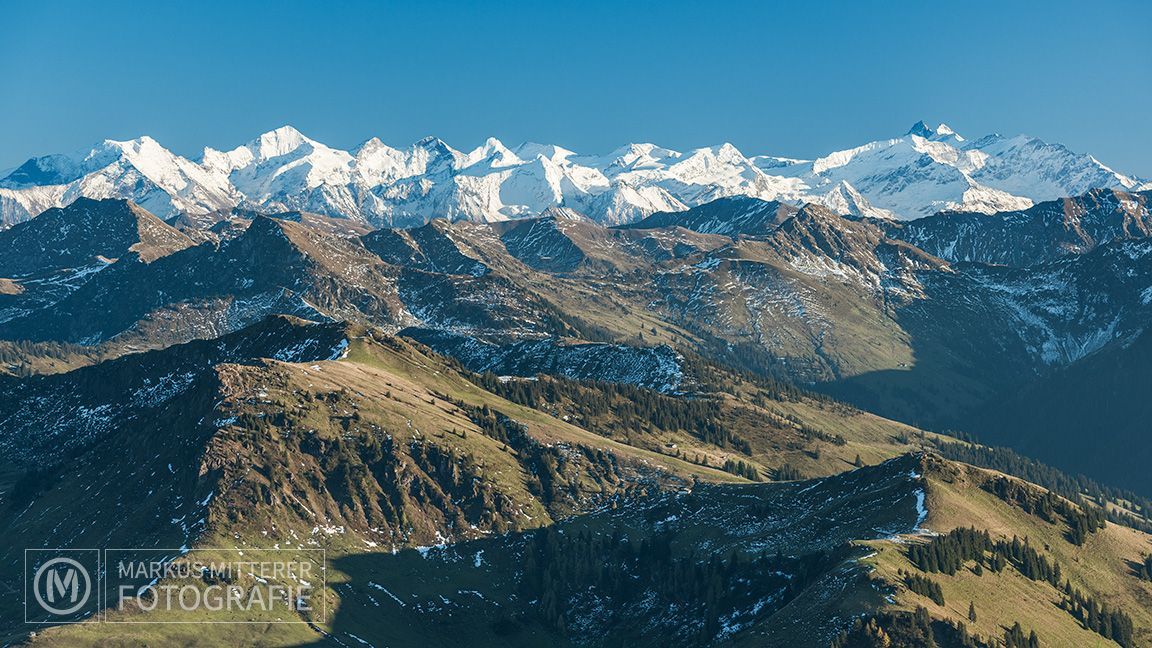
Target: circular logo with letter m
[62, 584]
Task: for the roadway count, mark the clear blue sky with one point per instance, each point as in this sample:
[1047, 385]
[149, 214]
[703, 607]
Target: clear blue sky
[795, 79]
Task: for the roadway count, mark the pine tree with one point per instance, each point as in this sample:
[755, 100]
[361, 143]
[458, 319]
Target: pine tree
[972, 612]
[1014, 637]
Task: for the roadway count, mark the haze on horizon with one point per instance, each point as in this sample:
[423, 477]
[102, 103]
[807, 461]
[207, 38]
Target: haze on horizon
[796, 81]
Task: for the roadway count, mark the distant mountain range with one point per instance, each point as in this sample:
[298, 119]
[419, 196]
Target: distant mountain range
[925, 171]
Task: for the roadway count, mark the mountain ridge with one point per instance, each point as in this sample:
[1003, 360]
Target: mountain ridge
[608, 392]
[915, 175]
[843, 304]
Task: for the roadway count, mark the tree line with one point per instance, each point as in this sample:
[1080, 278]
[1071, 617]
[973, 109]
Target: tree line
[627, 407]
[1106, 621]
[1073, 487]
[898, 628]
[925, 586]
[622, 569]
[948, 553]
[1082, 519]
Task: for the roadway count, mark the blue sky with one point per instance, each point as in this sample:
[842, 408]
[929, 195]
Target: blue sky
[795, 79]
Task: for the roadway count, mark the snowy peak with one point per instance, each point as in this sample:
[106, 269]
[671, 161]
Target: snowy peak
[944, 130]
[279, 142]
[641, 156]
[551, 152]
[933, 170]
[41, 171]
[141, 146]
[435, 147]
[925, 171]
[921, 129]
[941, 132]
[493, 154]
[564, 213]
[140, 170]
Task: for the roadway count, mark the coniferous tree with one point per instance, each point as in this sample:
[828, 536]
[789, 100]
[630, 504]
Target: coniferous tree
[925, 587]
[1136, 510]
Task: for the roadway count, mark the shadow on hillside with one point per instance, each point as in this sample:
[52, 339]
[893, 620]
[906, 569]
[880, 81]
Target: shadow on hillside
[671, 569]
[449, 596]
[956, 370]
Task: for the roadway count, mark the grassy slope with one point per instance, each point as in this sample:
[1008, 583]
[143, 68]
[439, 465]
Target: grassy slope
[366, 366]
[413, 395]
[401, 390]
[1100, 566]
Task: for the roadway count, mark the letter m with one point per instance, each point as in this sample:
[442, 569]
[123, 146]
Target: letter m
[56, 585]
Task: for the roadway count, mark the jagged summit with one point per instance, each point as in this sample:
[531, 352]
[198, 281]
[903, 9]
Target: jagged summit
[922, 129]
[563, 213]
[432, 143]
[493, 154]
[943, 131]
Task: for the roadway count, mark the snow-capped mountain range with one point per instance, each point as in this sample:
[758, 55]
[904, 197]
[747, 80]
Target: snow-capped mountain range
[925, 171]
